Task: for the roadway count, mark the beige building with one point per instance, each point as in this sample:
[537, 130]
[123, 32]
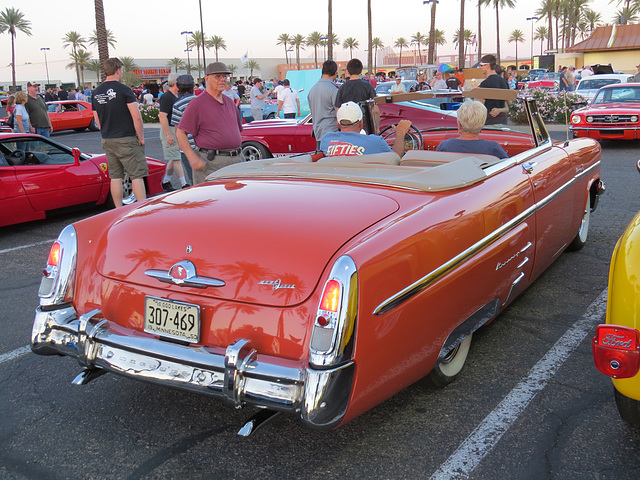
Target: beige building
[618, 45]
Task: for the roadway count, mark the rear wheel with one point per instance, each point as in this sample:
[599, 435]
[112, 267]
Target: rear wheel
[271, 116]
[412, 140]
[92, 126]
[254, 151]
[583, 233]
[628, 408]
[447, 369]
[127, 193]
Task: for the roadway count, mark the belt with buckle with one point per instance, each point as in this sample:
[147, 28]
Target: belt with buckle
[227, 153]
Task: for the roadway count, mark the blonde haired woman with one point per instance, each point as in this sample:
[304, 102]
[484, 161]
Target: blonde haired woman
[472, 116]
[21, 124]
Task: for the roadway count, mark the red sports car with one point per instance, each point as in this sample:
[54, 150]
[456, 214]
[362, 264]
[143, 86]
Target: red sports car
[272, 138]
[613, 114]
[71, 114]
[39, 175]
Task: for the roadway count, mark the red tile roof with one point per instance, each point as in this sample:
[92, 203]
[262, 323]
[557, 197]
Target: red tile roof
[626, 37]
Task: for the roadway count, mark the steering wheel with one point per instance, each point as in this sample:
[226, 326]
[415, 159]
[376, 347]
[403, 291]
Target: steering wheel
[412, 139]
[19, 156]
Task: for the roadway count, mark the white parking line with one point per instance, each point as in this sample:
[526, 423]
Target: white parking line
[18, 352]
[486, 435]
[6, 250]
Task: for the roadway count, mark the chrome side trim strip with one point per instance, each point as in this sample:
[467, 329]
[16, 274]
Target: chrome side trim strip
[465, 255]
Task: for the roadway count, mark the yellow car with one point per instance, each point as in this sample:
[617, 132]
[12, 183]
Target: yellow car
[616, 345]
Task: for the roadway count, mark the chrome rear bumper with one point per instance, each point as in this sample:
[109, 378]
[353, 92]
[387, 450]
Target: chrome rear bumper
[237, 374]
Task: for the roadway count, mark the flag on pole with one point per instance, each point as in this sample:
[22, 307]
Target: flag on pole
[245, 57]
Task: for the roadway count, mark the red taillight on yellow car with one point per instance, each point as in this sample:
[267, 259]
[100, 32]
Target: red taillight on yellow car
[616, 350]
[331, 296]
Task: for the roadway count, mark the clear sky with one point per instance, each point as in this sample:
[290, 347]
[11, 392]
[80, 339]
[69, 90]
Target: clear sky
[145, 32]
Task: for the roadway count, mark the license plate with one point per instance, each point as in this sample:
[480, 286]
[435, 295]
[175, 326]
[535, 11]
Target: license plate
[172, 319]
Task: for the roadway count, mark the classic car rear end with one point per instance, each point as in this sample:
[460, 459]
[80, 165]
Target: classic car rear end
[616, 345]
[317, 289]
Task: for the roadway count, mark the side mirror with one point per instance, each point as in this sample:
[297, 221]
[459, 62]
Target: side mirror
[76, 155]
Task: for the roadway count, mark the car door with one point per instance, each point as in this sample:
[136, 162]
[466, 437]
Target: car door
[50, 176]
[14, 205]
[72, 116]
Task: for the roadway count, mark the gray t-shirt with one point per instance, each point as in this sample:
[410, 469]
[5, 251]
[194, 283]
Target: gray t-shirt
[256, 103]
[322, 102]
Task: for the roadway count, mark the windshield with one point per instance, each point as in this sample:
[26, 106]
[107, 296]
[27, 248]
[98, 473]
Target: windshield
[550, 76]
[384, 88]
[626, 94]
[596, 83]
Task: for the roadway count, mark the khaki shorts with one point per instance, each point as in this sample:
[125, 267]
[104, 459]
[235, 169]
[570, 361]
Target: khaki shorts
[125, 154]
[170, 152]
[217, 163]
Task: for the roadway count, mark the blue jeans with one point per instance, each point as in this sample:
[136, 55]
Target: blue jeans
[43, 131]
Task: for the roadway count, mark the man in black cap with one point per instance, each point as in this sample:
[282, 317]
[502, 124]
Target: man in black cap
[37, 109]
[214, 122]
[185, 85]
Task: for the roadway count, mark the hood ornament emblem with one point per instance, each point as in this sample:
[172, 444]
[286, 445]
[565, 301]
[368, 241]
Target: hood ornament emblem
[184, 274]
[189, 249]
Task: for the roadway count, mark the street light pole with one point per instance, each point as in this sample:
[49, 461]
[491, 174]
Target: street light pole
[46, 65]
[204, 40]
[532, 19]
[186, 39]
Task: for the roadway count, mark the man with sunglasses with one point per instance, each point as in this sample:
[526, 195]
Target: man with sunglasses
[497, 110]
[214, 122]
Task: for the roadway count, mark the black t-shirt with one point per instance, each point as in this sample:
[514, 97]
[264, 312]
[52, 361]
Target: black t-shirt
[63, 95]
[110, 100]
[354, 91]
[167, 99]
[494, 81]
[453, 83]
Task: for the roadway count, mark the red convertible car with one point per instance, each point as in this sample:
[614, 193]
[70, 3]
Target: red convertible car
[317, 289]
[272, 138]
[613, 114]
[39, 175]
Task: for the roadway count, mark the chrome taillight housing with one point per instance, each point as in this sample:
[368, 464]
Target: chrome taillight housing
[333, 336]
[56, 286]
[616, 350]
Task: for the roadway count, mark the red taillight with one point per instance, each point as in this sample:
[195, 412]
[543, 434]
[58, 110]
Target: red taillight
[54, 255]
[331, 296]
[616, 350]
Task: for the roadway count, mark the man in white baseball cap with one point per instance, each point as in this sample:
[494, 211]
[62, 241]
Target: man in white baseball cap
[349, 141]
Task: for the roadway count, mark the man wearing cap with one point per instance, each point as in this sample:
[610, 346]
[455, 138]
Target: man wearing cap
[257, 99]
[496, 109]
[185, 85]
[116, 113]
[37, 110]
[349, 141]
[213, 120]
[170, 148]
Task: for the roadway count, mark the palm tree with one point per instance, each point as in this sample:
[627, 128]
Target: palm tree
[418, 39]
[252, 65]
[298, 42]
[541, 34]
[439, 39]
[111, 39]
[468, 40]
[75, 41]
[518, 37]
[330, 34]
[500, 4]
[369, 37]
[593, 19]
[377, 43]
[546, 10]
[196, 41]
[216, 42]
[177, 64]
[350, 43]
[481, 3]
[626, 15]
[232, 68]
[128, 64]
[400, 43]
[314, 39]
[461, 39]
[103, 36]
[284, 39]
[432, 31]
[93, 65]
[12, 21]
[80, 60]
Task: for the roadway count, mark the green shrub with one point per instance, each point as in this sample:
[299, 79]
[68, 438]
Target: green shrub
[149, 112]
[553, 106]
